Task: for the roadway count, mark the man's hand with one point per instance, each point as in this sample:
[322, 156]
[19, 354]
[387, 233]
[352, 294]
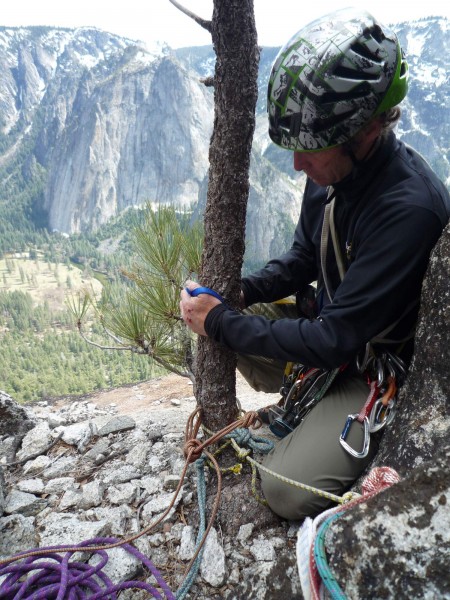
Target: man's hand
[194, 309]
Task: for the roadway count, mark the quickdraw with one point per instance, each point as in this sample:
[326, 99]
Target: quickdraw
[383, 373]
[302, 389]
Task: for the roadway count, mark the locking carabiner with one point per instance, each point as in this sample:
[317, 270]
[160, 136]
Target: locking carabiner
[366, 442]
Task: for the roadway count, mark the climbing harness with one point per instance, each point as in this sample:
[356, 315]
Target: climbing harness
[382, 369]
[304, 387]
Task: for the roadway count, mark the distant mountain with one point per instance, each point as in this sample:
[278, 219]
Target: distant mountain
[426, 120]
[92, 123]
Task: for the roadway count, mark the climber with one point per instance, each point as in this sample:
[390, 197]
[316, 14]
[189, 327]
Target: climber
[372, 212]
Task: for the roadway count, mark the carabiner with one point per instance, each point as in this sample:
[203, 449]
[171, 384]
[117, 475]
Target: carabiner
[361, 365]
[380, 372]
[366, 443]
[381, 415]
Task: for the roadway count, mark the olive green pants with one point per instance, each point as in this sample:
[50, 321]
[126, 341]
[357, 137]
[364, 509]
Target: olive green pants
[312, 453]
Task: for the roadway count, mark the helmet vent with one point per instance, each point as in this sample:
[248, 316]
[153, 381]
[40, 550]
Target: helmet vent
[376, 32]
[347, 73]
[320, 125]
[363, 51]
[362, 90]
[403, 69]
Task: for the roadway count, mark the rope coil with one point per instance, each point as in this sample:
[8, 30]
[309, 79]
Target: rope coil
[51, 576]
[311, 553]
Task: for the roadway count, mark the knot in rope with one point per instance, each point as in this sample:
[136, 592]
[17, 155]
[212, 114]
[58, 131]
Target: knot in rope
[243, 437]
[251, 419]
[193, 449]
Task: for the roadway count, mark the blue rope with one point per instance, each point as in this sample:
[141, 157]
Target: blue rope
[243, 437]
[320, 557]
[201, 495]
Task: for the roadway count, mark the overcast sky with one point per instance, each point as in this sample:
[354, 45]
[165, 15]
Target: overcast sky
[158, 20]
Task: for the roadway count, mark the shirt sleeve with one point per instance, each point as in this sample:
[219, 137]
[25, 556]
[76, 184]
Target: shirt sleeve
[384, 277]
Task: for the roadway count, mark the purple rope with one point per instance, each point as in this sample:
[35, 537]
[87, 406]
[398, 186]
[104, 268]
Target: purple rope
[50, 576]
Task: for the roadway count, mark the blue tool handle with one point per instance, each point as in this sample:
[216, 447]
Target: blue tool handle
[204, 290]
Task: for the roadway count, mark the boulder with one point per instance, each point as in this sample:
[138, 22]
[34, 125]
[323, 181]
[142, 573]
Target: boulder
[397, 544]
[14, 419]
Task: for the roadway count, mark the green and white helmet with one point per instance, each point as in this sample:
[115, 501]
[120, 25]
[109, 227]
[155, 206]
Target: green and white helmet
[331, 78]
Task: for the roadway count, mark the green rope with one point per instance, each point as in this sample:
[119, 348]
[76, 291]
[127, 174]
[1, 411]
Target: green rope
[320, 557]
[243, 437]
[201, 496]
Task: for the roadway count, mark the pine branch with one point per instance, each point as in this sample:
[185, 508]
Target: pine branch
[143, 316]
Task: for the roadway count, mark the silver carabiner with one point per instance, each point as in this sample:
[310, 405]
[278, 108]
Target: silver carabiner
[380, 372]
[398, 365]
[375, 423]
[366, 442]
[361, 365]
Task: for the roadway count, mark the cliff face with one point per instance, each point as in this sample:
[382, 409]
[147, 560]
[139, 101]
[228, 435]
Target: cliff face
[112, 125]
[128, 140]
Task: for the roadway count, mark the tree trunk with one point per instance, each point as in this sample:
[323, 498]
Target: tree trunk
[235, 88]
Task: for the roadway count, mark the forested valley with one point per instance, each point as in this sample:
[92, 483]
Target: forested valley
[43, 355]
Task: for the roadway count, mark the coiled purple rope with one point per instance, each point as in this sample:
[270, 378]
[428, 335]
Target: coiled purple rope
[62, 579]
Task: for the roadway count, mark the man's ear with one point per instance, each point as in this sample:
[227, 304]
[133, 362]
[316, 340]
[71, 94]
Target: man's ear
[371, 131]
[364, 141]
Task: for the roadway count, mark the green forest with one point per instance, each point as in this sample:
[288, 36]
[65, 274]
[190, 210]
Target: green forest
[43, 355]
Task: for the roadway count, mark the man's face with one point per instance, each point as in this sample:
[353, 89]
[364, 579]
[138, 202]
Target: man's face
[324, 167]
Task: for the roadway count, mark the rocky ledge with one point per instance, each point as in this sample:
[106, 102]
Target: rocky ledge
[113, 475]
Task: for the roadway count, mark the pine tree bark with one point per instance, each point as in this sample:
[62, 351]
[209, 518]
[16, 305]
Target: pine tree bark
[235, 90]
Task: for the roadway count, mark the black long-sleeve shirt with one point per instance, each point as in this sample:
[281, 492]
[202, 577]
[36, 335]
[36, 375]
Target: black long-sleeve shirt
[388, 219]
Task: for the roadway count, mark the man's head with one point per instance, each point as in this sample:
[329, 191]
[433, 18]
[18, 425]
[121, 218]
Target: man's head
[332, 79]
